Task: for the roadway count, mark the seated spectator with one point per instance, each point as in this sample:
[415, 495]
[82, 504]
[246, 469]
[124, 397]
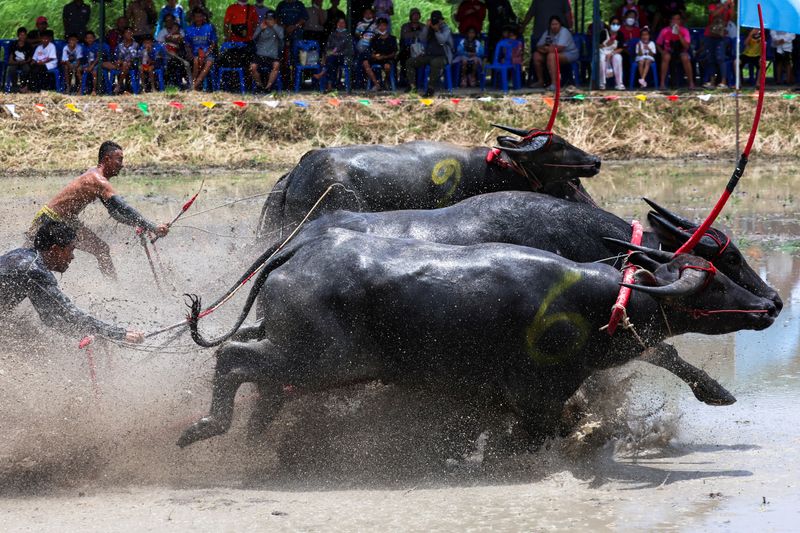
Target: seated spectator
[75, 17]
[384, 9]
[114, 36]
[178, 67]
[639, 13]
[261, 10]
[470, 15]
[268, 40]
[314, 28]
[20, 57]
[142, 16]
[673, 42]
[240, 24]
[92, 56]
[513, 32]
[166, 27]
[201, 5]
[149, 58]
[557, 37]
[715, 39]
[365, 31]
[610, 55]
[383, 52]
[645, 56]
[44, 59]
[782, 42]
[292, 16]
[409, 37]
[470, 55]
[35, 36]
[751, 55]
[71, 57]
[170, 9]
[630, 29]
[125, 58]
[332, 17]
[202, 39]
[438, 43]
[338, 51]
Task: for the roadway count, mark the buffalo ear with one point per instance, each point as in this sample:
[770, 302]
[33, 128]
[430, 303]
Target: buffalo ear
[665, 213]
[645, 277]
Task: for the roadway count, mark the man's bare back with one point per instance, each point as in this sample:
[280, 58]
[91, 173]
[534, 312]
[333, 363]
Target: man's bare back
[80, 192]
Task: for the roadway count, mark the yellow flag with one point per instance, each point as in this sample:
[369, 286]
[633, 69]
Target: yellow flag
[72, 107]
[641, 97]
[426, 101]
[209, 105]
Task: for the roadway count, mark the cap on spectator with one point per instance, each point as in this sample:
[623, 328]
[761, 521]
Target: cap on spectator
[41, 20]
[436, 17]
[269, 14]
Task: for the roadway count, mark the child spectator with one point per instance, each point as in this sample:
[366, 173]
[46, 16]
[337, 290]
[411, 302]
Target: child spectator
[338, 50]
[170, 9]
[166, 27]
[674, 42]
[512, 32]
[148, 61]
[178, 67]
[645, 55]
[782, 42]
[751, 55]
[639, 12]
[20, 57]
[125, 59]
[314, 28]
[384, 9]
[469, 54]
[630, 28]
[611, 46]
[383, 51]
[470, 14]
[114, 36]
[268, 40]
[44, 59]
[71, 63]
[201, 38]
[91, 58]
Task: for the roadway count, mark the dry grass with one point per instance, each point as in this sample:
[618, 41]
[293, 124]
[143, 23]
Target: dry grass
[260, 136]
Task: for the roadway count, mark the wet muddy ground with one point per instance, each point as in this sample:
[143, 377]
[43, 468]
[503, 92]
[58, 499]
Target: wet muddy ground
[77, 458]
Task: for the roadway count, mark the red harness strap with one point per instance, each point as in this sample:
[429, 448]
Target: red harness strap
[493, 157]
[618, 310]
[711, 269]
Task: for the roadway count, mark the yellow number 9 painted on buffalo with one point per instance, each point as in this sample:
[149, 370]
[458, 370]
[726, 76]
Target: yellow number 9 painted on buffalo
[542, 323]
[447, 171]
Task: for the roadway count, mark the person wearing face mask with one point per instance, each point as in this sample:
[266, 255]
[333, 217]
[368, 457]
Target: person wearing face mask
[630, 27]
[716, 42]
[612, 43]
[640, 14]
[338, 51]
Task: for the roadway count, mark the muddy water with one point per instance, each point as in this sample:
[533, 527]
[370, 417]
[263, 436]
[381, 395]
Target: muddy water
[74, 456]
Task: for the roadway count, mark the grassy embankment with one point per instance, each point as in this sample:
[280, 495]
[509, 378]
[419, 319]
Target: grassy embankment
[259, 136]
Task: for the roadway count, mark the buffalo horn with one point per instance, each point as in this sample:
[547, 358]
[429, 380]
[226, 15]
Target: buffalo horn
[690, 282]
[659, 255]
[511, 150]
[515, 131]
[676, 220]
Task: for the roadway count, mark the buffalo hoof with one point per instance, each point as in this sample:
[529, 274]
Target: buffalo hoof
[712, 393]
[205, 428]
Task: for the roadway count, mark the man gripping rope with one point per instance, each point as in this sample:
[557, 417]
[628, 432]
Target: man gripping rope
[92, 185]
[28, 273]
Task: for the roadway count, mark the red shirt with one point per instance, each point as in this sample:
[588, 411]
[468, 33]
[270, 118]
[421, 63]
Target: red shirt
[470, 14]
[241, 18]
[630, 32]
[727, 11]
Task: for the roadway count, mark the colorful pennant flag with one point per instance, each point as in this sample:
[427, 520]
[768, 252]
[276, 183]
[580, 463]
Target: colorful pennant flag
[672, 98]
[519, 100]
[612, 97]
[72, 107]
[364, 101]
[548, 101]
[704, 97]
[12, 110]
[789, 96]
[272, 103]
[485, 99]
[115, 107]
[334, 102]
[208, 105]
[301, 103]
[176, 105]
[239, 104]
[394, 101]
[455, 100]
[579, 97]
[41, 109]
[641, 97]
[144, 107]
[426, 101]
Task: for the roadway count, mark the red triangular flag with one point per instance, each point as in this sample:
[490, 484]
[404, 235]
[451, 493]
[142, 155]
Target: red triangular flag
[455, 100]
[239, 103]
[176, 105]
[672, 98]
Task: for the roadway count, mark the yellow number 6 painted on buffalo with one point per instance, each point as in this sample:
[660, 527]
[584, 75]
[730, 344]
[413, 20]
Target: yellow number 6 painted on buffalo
[542, 323]
[447, 170]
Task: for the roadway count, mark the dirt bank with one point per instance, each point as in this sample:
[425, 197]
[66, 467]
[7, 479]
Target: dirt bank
[259, 135]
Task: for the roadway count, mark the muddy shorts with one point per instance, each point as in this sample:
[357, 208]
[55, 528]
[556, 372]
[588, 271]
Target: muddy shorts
[43, 215]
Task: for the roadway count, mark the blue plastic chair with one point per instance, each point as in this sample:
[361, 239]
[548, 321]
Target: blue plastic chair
[480, 71]
[504, 49]
[265, 72]
[323, 82]
[631, 45]
[221, 71]
[5, 50]
[85, 76]
[425, 75]
[307, 46]
[378, 70]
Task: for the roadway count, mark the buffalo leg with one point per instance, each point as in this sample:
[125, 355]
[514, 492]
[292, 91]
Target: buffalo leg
[705, 388]
[237, 363]
[270, 400]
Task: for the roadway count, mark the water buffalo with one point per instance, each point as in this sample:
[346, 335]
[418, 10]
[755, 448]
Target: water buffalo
[347, 307]
[424, 175]
[570, 229]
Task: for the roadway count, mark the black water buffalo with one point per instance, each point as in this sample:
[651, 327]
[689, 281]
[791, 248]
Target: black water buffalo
[348, 307]
[423, 175]
[570, 229]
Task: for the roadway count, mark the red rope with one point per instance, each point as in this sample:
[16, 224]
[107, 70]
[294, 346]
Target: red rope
[618, 310]
[557, 96]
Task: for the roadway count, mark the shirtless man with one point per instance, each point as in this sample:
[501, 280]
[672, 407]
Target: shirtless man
[94, 184]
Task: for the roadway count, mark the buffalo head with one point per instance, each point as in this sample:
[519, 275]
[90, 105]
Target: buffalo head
[695, 296]
[715, 246]
[546, 156]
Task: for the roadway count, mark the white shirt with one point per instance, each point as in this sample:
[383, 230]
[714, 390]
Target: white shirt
[46, 53]
[784, 36]
[78, 52]
[162, 35]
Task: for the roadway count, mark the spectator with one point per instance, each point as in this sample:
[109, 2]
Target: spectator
[35, 36]
[365, 32]
[666, 9]
[92, 56]
[384, 9]
[165, 28]
[470, 14]
[113, 37]
[143, 17]
[314, 28]
[170, 9]
[268, 40]
[201, 38]
[751, 55]
[556, 38]
[470, 55]
[75, 17]
[332, 17]
[716, 42]
[44, 59]
[292, 16]
[542, 11]
[501, 15]
[149, 58]
[612, 43]
[338, 50]
[124, 60]
[201, 5]
[437, 39]
[782, 42]
[512, 33]
[630, 29]
[71, 57]
[261, 10]
[383, 52]
[640, 14]
[645, 56]
[673, 42]
[20, 57]
[240, 24]
[178, 66]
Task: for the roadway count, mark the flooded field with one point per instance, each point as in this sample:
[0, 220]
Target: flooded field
[74, 456]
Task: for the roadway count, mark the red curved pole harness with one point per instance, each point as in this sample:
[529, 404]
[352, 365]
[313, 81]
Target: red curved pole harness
[689, 245]
[618, 309]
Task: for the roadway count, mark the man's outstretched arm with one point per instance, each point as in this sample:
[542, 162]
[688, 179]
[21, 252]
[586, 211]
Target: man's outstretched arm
[123, 212]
